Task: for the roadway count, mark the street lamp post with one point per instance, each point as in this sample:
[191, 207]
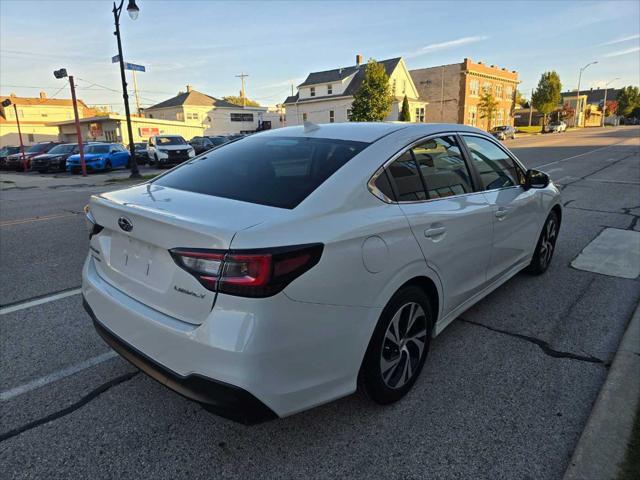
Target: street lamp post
[62, 73]
[576, 116]
[133, 11]
[5, 104]
[604, 104]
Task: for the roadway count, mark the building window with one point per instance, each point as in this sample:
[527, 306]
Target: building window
[348, 113]
[473, 87]
[30, 137]
[332, 116]
[312, 91]
[473, 116]
[151, 115]
[329, 89]
[509, 92]
[45, 114]
[498, 91]
[240, 117]
[394, 87]
[420, 115]
[304, 117]
[486, 87]
[499, 117]
[192, 116]
[180, 116]
[21, 113]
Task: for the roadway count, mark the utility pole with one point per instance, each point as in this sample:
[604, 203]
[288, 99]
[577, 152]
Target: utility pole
[242, 76]
[135, 90]
[604, 105]
[5, 104]
[83, 165]
[531, 107]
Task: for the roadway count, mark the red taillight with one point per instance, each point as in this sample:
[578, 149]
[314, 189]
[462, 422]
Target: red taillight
[248, 273]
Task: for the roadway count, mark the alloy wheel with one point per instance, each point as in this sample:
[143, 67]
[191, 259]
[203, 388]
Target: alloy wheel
[548, 242]
[403, 345]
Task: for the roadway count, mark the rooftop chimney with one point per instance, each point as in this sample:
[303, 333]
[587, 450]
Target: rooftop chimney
[189, 88]
[358, 59]
[43, 95]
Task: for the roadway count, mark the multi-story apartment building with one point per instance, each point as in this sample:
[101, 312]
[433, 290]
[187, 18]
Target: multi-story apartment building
[453, 92]
[326, 96]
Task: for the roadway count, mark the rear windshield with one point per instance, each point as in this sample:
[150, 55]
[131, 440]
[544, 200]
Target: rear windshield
[275, 171]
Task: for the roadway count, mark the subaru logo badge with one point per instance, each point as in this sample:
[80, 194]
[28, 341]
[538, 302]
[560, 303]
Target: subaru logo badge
[125, 224]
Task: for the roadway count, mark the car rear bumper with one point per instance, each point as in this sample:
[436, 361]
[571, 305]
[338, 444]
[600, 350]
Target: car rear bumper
[285, 355]
[218, 397]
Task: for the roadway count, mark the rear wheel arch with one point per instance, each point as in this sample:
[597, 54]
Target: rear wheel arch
[429, 287]
[558, 210]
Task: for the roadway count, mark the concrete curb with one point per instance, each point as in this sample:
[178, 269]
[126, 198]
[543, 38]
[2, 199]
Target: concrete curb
[603, 444]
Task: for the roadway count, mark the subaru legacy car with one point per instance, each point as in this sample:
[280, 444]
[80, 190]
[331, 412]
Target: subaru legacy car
[169, 150]
[100, 156]
[279, 272]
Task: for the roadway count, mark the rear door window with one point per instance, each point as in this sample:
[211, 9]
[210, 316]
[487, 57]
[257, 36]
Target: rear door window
[443, 168]
[268, 170]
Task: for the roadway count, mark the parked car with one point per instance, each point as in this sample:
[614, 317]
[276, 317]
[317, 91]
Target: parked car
[283, 270]
[54, 159]
[5, 152]
[503, 132]
[201, 144]
[218, 140]
[556, 127]
[100, 156]
[169, 150]
[142, 157]
[14, 161]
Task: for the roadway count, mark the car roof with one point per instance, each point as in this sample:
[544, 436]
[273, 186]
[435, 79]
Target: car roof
[368, 131]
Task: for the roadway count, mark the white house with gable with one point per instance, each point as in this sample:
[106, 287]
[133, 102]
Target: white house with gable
[326, 97]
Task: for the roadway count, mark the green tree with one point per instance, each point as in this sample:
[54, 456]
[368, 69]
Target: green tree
[628, 100]
[546, 97]
[405, 113]
[372, 101]
[520, 100]
[487, 107]
[237, 100]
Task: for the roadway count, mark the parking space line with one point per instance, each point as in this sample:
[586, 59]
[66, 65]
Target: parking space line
[39, 301]
[55, 376]
[579, 155]
[8, 223]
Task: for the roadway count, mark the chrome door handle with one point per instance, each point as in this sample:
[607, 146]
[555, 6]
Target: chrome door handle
[501, 213]
[434, 232]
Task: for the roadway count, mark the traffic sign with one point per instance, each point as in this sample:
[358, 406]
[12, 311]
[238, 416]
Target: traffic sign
[133, 66]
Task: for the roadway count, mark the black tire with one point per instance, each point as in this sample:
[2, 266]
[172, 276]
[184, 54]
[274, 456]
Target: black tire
[389, 385]
[43, 170]
[546, 245]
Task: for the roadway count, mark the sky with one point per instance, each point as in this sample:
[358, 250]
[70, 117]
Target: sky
[207, 43]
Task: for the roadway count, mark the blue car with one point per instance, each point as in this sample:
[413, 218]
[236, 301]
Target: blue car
[100, 156]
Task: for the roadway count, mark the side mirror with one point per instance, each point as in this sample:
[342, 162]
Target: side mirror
[536, 179]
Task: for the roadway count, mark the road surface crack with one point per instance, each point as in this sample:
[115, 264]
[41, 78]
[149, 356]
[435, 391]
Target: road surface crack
[71, 408]
[544, 346]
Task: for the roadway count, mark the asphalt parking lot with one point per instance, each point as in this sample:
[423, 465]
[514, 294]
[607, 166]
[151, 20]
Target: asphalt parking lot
[505, 392]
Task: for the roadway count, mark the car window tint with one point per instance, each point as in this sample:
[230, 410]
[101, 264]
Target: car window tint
[383, 184]
[405, 179]
[443, 168]
[495, 167]
[268, 170]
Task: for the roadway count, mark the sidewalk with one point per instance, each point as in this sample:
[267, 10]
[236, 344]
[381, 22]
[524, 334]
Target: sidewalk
[20, 180]
[603, 444]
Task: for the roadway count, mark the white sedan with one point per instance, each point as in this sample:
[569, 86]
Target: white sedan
[281, 271]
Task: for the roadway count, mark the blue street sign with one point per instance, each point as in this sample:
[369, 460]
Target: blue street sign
[115, 59]
[133, 66]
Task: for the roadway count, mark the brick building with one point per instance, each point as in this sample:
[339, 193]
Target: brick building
[453, 92]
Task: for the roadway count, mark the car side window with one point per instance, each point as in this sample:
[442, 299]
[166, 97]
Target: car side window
[405, 179]
[495, 167]
[443, 168]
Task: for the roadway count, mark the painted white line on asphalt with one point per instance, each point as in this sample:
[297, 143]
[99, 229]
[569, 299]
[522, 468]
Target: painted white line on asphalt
[39, 301]
[579, 155]
[55, 376]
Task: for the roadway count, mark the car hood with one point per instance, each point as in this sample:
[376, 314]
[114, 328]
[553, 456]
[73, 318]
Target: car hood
[48, 156]
[18, 156]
